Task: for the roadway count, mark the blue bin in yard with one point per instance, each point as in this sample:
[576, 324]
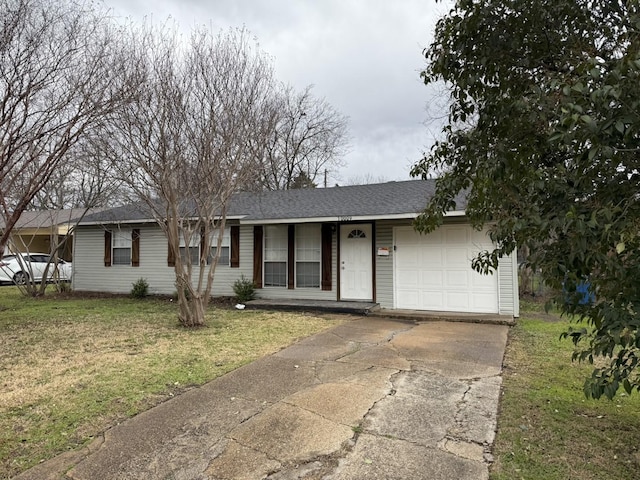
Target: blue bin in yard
[586, 295]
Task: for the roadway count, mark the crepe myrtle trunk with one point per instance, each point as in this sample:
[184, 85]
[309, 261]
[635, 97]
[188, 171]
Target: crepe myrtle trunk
[192, 304]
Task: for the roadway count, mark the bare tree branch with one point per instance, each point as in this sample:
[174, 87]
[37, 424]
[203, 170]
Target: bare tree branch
[60, 73]
[192, 139]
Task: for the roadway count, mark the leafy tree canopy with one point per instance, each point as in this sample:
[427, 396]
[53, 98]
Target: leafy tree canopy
[544, 133]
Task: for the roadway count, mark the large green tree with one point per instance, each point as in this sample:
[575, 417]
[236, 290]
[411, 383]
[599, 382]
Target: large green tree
[544, 134]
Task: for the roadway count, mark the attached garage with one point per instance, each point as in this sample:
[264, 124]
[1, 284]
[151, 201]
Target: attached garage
[433, 271]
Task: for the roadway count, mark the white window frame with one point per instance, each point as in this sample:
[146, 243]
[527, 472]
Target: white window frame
[308, 250]
[275, 251]
[121, 239]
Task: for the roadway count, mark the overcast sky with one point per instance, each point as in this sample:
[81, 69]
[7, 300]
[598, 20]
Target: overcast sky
[363, 56]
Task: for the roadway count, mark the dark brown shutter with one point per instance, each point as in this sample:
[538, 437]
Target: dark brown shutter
[235, 246]
[327, 261]
[291, 257]
[257, 256]
[171, 258]
[135, 247]
[107, 248]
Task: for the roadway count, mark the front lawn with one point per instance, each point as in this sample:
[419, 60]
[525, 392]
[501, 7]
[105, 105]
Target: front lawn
[72, 367]
[547, 429]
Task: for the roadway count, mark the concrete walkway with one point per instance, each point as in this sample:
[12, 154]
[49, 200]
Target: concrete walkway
[369, 399]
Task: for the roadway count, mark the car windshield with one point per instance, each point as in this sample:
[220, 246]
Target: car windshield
[8, 258]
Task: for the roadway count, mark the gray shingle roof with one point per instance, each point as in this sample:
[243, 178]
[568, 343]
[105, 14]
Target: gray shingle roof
[375, 200]
[49, 218]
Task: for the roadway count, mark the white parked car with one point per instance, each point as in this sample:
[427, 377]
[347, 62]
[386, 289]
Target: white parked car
[32, 266]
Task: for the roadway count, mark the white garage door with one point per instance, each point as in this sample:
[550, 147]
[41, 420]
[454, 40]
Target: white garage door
[433, 271]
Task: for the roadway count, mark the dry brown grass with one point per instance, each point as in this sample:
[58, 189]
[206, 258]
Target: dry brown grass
[73, 367]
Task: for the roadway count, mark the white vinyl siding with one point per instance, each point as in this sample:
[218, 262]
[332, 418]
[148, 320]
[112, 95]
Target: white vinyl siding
[384, 264]
[90, 274]
[508, 286]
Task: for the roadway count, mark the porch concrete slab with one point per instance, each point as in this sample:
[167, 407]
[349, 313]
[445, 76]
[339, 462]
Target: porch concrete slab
[287, 433]
[381, 458]
[348, 307]
[343, 403]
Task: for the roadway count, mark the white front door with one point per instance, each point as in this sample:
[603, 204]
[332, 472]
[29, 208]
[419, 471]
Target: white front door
[356, 264]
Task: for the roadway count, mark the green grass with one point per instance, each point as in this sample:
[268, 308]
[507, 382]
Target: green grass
[547, 429]
[71, 367]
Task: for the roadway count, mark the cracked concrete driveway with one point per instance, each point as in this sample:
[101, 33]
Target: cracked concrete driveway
[369, 399]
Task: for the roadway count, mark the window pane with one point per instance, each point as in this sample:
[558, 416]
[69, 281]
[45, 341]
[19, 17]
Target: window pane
[307, 274]
[121, 238]
[121, 256]
[275, 243]
[224, 255]
[194, 253]
[275, 274]
[308, 255]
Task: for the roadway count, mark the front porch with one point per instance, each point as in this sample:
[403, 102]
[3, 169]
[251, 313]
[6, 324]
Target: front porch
[373, 309]
[354, 308]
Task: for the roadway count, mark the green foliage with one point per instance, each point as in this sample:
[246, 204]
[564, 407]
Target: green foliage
[544, 139]
[244, 289]
[140, 288]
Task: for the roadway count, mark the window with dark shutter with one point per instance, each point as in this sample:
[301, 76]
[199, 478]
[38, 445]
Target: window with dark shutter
[235, 246]
[327, 261]
[257, 255]
[135, 247]
[107, 248]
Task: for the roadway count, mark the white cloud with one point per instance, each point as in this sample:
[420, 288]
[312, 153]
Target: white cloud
[363, 56]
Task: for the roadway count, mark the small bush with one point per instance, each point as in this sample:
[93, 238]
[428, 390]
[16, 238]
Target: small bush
[244, 289]
[140, 288]
[64, 287]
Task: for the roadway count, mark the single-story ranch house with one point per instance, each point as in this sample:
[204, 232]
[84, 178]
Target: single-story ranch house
[339, 244]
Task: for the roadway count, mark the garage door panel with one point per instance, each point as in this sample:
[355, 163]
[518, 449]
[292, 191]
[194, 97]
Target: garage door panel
[457, 280]
[433, 272]
[431, 297]
[433, 279]
[457, 256]
[458, 301]
[456, 235]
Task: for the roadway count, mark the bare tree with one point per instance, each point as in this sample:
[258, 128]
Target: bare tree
[310, 139]
[190, 141]
[86, 179]
[366, 179]
[59, 75]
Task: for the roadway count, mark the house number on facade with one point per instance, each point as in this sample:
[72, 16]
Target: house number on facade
[344, 219]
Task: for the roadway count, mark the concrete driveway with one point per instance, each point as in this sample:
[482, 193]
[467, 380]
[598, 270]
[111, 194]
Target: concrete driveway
[370, 399]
